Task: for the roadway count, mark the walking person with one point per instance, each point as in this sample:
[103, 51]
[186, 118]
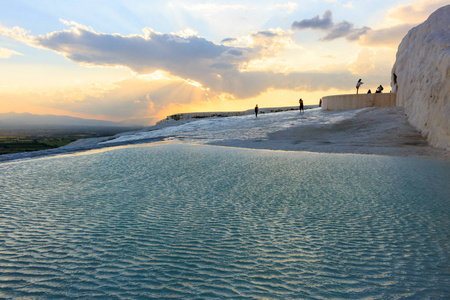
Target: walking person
[301, 105]
[256, 110]
[358, 84]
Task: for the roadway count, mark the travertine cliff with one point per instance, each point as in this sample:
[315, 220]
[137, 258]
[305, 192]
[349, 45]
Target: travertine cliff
[421, 77]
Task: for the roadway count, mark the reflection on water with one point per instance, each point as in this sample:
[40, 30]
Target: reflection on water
[208, 222]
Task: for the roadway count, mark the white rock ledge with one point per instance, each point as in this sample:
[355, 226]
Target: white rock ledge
[421, 77]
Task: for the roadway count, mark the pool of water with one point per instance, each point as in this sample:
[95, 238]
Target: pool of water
[186, 221]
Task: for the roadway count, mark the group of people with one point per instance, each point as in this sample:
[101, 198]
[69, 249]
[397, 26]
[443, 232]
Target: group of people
[359, 83]
[379, 89]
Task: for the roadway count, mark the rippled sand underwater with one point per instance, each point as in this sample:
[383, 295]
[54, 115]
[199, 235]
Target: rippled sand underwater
[202, 222]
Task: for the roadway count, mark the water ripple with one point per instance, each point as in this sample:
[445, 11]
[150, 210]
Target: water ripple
[180, 221]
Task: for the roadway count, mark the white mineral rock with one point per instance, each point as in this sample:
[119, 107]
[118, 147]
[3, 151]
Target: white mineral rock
[421, 77]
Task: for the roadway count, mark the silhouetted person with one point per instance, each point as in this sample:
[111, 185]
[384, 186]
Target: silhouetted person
[320, 103]
[256, 110]
[369, 92]
[358, 84]
[379, 89]
[301, 105]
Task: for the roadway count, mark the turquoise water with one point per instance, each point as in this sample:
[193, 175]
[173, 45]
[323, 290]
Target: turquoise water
[183, 221]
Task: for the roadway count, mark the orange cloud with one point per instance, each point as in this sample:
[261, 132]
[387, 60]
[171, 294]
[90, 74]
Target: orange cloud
[412, 13]
[398, 21]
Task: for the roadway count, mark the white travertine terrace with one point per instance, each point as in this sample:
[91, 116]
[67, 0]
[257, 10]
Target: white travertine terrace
[421, 77]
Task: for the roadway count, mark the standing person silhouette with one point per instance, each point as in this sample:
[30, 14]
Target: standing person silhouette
[358, 84]
[256, 110]
[301, 105]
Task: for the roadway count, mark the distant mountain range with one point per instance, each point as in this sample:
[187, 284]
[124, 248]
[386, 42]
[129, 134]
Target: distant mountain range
[26, 120]
[26, 124]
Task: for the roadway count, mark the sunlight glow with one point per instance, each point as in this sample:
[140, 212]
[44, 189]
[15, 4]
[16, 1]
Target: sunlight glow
[199, 56]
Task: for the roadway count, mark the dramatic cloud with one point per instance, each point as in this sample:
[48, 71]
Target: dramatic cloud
[196, 69]
[218, 67]
[190, 57]
[141, 96]
[143, 54]
[138, 97]
[342, 29]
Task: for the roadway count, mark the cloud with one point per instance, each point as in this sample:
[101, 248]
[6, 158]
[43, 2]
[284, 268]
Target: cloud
[15, 32]
[196, 69]
[140, 96]
[349, 5]
[390, 37]
[412, 13]
[323, 23]
[141, 53]
[149, 96]
[7, 53]
[190, 57]
[219, 67]
[398, 21]
[290, 7]
[373, 65]
[342, 29]
[347, 30]
[137, 97]
[263, 44]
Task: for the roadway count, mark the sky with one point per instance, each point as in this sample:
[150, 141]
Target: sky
[142, 60]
